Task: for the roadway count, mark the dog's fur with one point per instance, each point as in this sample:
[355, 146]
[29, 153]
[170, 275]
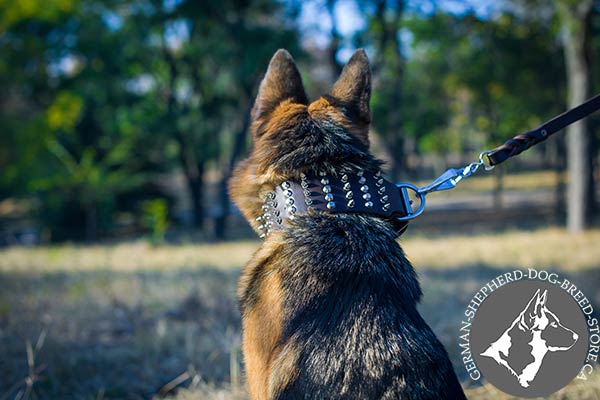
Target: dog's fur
[536, 331]
[328, 303]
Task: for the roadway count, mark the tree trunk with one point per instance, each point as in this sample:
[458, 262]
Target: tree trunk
[389, 62]
[238, 147]
[575, 23]
[195, 182]
[335, 42]
[498, 187]
[557, 163]
[91, 222]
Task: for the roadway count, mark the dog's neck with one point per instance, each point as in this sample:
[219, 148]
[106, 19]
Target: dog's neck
[363, 192]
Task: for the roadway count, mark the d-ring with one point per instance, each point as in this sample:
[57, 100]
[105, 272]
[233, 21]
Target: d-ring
[407, 203]
[486, 166]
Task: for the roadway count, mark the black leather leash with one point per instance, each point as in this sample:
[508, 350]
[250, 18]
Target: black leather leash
[367, 192]
[523, 141]
[512, 147]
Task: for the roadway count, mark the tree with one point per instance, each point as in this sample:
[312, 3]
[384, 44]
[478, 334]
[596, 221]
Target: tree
[382, 34]
[206, 81]
[575, 17]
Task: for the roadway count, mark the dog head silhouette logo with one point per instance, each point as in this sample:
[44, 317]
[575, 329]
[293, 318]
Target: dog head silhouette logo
[542, 330]
[529, 339]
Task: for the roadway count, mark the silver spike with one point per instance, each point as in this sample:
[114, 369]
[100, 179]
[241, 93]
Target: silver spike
[362, 180]
[369, 204]
[263, 235]
[349, 195]
[326, 189]
[292, 209]
[367, 196]
[377, 174]
[270, 196]
[285, 185]
[289, 201]
[344, 178]
[265, 207]
[386, 206]
[308, 201]
[324, 181]
[288, 193]
[364, 188]
[381, 190]
[259, 218]
[331, 205]
[278, 220]
[379, 182]
[360, 173]
[384, 199]
[350, 203]
[328, 197]
[347, 186]
[262, 227]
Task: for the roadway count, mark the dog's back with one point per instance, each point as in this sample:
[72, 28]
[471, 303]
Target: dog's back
[329, 301]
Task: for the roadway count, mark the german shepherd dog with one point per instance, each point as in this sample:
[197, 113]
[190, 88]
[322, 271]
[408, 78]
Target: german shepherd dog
[328, 302]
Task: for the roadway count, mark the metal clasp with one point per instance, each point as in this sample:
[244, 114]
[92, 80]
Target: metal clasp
[448, 180]
[408, 203]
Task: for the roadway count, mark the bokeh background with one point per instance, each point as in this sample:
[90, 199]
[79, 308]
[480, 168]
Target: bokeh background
[121, 121]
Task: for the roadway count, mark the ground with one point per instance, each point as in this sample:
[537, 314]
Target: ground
[136, 321]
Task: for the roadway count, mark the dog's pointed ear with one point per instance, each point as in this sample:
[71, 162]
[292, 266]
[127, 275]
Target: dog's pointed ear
[540, 303]
[353, 89]
[281, 82]
[543, 298]
[529, 311]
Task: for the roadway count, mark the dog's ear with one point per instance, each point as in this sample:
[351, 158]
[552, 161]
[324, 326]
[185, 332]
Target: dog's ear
[530, 311]
[353, 90]
[540, 303]
[281, 82]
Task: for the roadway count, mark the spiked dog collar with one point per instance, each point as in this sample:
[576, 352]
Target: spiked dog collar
[360, 193]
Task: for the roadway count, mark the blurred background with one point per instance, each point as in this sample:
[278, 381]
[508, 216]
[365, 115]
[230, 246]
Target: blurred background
[121, 122]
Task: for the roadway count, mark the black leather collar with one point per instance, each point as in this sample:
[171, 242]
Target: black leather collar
[362, 192]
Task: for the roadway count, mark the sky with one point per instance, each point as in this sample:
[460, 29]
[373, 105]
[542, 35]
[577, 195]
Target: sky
[316, 24]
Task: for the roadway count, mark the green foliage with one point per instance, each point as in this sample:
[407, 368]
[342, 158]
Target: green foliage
[155, 219]
[105, 95]
[478, 82]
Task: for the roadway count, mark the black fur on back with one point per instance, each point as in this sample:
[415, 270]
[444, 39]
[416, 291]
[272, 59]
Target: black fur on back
[350, 300]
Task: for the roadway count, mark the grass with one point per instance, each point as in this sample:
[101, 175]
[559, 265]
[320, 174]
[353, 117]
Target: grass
[552, 247]
[135, 321]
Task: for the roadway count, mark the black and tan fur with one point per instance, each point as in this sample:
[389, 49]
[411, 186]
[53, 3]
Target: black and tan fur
[328, 303]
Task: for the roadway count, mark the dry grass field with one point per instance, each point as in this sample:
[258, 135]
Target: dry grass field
[132, 321]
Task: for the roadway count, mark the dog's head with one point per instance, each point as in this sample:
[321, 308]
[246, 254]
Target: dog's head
[537, 317]
[292, 136]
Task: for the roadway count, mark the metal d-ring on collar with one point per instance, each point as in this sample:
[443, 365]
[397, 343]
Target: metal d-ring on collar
[448, 180]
